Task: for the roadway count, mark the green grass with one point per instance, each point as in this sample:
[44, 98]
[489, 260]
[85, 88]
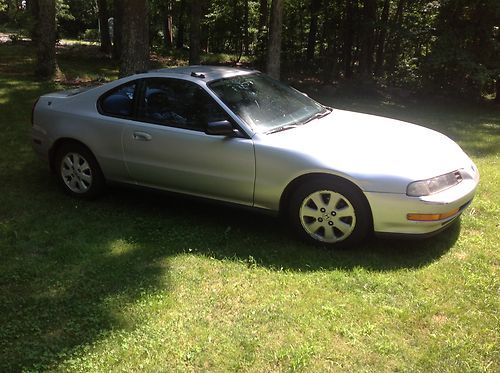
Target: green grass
[145, 281]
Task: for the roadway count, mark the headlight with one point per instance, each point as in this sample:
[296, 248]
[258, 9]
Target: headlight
[434, 185]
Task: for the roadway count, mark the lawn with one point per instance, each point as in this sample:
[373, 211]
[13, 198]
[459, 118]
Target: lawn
[146, 281]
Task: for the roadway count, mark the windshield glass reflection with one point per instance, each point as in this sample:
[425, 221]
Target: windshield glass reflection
[265, 104]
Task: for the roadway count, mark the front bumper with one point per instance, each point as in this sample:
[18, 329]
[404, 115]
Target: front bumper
[390, 210]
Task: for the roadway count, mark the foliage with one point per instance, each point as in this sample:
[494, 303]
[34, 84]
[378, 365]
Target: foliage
[14, 38]
[449, 47]
[90, 34]
[63, 11]
[76, 16]
[465, 55]
[13, 14]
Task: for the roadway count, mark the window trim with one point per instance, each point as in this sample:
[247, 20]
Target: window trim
[110, 92]
[142, 96]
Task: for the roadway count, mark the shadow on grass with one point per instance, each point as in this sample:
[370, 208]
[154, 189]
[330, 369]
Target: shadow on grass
[239, 234]
[66, 261]
[85, 62]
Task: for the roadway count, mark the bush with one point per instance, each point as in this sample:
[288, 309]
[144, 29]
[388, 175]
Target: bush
[14, 38]
[90, 34]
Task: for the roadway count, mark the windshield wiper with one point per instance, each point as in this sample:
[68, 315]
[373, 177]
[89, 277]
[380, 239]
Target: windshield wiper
[285, 127]
[318, 115]
[281, 128]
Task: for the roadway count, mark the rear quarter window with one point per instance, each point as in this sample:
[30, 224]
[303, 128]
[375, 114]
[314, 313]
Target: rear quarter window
[119, 101]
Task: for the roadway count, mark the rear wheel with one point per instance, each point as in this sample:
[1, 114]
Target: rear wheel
[78, 171]
[331, 212]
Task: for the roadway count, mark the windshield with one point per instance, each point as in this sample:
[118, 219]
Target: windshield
[266, 104]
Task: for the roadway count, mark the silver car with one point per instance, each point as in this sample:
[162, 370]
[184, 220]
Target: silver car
[238, 136]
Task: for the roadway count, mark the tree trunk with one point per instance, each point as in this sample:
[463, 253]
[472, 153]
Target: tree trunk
[234, 28]
[313, 28]
[263, 15]
[104, 26]
[274, 45]
[46, 39]
[262, 35]
[135, 37]
[117, 28]
[381, 39]
[168, 38]
[246, 40]
[32, 8]
[326, 30]
[331, 31]
[497, 94]
[194, 33]
[367, 37]
[396, 38]
[348, 38]
[180, 28]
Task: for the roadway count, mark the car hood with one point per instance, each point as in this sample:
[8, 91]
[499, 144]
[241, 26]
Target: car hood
[369, 149]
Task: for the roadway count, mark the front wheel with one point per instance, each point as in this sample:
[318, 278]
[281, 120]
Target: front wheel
[331, 212]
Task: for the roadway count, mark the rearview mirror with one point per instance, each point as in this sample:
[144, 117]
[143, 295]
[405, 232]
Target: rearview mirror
[221, 128]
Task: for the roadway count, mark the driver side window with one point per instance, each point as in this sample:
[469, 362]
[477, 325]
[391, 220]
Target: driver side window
[178, 103]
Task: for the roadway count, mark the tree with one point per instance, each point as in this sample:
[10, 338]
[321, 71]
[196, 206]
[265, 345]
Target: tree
[497, 93]
[180, 25]
[168, 38]
[465, 56]
[262, 34]
[117, 29]
[246, 39]
[45, 38]
[135, 37]
[32, 10]
[379, 59]
[103, 26]
[194, 33]
[348, 38]
[263, 15]
[497, 81]
[367, 36]
[452, 46]
[274, 44]
[396, 37]
[331, 28]
[315, 7]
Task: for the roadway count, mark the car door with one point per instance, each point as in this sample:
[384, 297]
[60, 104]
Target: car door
[167, 147]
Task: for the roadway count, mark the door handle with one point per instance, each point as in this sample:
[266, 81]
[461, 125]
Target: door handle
[142, 136]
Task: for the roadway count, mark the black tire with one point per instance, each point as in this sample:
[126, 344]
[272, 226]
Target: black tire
[342, 219]
[78, 172]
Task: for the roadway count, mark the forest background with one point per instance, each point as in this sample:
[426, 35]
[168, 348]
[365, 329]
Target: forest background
[447, 48]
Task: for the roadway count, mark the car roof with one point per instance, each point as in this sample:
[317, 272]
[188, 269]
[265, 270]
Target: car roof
[206, 72]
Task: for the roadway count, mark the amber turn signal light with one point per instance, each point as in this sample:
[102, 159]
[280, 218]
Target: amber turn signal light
[431, 217]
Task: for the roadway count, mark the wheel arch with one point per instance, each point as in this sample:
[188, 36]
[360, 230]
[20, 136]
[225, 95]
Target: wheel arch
[300, 180]
[58, 144]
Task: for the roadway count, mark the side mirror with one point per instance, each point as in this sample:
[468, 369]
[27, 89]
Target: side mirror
[221, 128]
